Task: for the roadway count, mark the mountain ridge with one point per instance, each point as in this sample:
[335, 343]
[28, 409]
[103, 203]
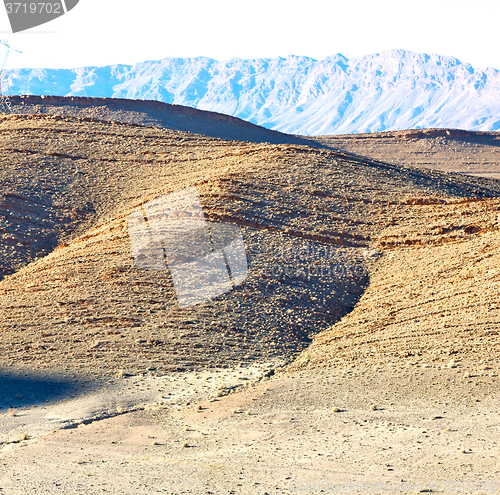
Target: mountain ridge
[390, 90]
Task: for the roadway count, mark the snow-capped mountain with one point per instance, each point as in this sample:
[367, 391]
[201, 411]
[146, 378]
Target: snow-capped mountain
[386, 91]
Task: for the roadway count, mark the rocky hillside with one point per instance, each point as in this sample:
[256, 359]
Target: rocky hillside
[314, 223]
[154, 114]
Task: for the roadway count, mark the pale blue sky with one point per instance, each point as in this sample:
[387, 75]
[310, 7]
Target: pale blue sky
[102, 32]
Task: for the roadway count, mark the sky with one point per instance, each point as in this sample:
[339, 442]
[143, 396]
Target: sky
[106, 32]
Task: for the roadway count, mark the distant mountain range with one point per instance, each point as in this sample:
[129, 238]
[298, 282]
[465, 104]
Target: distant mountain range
[392, 90]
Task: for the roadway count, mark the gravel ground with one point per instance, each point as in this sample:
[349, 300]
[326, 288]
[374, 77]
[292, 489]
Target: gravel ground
[405, 429]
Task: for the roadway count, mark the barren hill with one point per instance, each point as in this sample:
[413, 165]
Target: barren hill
[69, 184]
[154, 114]
[449, 150]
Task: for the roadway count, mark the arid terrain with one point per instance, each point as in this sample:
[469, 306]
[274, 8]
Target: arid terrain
[363, 346]
[450, 150]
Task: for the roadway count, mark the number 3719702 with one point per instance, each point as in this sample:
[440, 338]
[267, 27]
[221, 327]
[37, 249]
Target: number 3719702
[34, 8]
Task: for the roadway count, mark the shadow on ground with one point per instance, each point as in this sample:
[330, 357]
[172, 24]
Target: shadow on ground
[18, 391]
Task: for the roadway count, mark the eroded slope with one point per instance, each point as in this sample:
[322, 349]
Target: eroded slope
[70, 183]
[432, 298]
[153, 113]
[449, 150]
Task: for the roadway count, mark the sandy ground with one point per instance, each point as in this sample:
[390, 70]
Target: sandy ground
[298, 432]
